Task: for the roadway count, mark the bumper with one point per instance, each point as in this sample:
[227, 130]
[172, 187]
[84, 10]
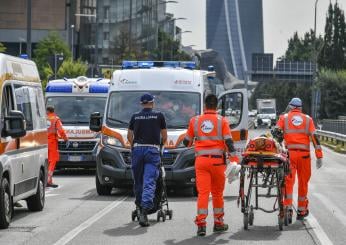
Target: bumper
[75, 159]
[114, 167]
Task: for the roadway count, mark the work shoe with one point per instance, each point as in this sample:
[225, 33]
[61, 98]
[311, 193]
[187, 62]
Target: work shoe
[220, 228]
[143, 219]
[52, 185]
[302, 215]
[201, 231]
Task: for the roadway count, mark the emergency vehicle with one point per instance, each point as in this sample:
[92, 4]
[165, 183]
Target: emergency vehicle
[23, 144]
[179, 92]
[74, 100]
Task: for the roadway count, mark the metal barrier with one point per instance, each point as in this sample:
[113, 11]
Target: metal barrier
[336, 126]
[332, 137]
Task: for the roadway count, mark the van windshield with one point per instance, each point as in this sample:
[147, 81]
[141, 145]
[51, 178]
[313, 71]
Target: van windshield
[74, 110]
[177, 107]
[267, 111]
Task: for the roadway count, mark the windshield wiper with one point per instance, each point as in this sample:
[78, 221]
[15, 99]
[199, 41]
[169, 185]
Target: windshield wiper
[118, 120]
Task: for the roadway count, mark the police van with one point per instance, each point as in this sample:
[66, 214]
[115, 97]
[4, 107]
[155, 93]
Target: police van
[179, 92]
[23, 146]
[74, 100]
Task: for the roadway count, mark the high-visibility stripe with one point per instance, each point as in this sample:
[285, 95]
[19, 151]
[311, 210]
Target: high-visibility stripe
[219, 126]
[195, 128]
[226, 137]
[307, 124]
[302, 208]
[209, 138]
[289, 196]
[218, 210]
[202, 211]
[209, 152]
[318, 147]
[295, 131]
[289, 206]
[285, 123]
[301, 199]
[298, 147]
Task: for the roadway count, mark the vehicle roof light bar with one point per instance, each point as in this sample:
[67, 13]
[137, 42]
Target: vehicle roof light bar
[128, 64]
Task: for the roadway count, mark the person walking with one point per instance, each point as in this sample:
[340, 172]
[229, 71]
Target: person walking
[297, 129]
[55, 131]
[147, 130]
[211, 135]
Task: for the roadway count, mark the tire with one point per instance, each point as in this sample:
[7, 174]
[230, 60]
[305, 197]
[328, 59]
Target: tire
[102, 190]
[36, 202]
[6, 207]
[246, 221]
[281, 223]
[194, 191]
[251, 216]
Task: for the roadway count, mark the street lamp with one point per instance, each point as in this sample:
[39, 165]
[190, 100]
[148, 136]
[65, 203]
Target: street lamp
[72, 43]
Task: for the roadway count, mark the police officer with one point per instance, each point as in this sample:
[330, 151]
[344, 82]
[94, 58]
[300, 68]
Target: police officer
[212, 136]
[297, 129]
[145, 130]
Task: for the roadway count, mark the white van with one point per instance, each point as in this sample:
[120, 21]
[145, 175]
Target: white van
[23, 147]
[179, 92]
[74, 100]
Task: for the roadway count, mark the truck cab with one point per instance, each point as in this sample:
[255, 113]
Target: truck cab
[74, 100]
[266, 113]
[179, 92]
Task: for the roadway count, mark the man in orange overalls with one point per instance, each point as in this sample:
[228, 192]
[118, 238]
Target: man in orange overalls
[212, 136]
[55, 131]
[297, 129]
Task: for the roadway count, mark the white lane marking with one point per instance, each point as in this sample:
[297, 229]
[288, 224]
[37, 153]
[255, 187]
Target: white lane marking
[52, 195]
[337, 212]
[73, 233]
[317, 229]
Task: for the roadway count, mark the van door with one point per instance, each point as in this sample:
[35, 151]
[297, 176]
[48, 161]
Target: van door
[233, 104]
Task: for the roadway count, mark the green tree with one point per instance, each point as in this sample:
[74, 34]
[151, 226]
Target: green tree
[2, 48]
[46, 48]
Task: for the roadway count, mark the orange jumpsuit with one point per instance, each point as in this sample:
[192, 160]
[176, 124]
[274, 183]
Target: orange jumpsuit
[298, 128]
[210, 132]
[55, 130]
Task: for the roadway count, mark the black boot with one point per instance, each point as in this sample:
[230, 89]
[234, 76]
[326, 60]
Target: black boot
[220, 228]
[302, 215]
[201, 231]
[143, 218]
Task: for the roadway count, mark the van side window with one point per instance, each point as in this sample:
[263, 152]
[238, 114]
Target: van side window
[38, 108]
[6, 104]
[24, 105]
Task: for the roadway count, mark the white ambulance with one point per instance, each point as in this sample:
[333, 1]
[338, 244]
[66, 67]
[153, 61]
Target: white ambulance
[74, 100]
[179, 92]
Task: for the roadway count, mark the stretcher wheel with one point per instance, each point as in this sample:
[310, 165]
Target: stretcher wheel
[246, 221]
[281, 223]
[169, 213]
[134, 215]
[161, 215]
[288, 217]
[251, 216]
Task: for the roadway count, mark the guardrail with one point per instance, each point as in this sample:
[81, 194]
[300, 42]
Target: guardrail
[334, 138]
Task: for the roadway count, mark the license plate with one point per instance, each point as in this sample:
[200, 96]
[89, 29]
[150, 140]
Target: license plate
[75, 158]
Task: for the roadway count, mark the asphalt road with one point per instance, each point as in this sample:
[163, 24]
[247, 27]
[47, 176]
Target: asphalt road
[75, 214]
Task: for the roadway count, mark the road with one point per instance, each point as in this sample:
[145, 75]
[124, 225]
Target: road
[75, 214]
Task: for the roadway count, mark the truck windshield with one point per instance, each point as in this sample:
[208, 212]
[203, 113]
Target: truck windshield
[177, 107]
[74, 110]
[267, 111]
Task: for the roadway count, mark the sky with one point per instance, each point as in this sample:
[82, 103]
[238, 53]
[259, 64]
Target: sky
[281, 18]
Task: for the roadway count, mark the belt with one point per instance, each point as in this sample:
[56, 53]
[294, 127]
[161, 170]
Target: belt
[211, 156]
[146, 145]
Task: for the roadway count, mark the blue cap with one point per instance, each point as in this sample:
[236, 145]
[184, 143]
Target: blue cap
[147, 98]
[296, 102]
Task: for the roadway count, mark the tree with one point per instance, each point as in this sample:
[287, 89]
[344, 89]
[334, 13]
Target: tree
[2, 48]
[46, 48]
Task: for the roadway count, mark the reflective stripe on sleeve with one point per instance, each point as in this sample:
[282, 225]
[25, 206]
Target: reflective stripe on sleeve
[307, 125]
[226, 137]
[195, 127]
[285, 123]
[298, 147]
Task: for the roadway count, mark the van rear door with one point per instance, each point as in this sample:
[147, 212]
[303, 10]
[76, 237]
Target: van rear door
[233, 104]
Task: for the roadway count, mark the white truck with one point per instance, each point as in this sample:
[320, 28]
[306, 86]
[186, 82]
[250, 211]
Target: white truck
[179, 92]
[266, 113]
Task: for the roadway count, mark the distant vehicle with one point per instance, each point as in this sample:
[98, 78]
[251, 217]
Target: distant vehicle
[252, 113]
[266, 115]
[23, 127]
[74, 100]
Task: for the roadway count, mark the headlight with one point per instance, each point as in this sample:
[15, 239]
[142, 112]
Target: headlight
[109, 140]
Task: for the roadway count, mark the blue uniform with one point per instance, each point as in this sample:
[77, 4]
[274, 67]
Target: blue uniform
[146, 126]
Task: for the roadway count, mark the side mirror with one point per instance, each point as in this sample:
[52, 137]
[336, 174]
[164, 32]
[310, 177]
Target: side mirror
[14, 125]
[95, 122]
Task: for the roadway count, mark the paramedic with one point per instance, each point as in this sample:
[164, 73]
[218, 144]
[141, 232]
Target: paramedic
[212, 136]
[145, 129]
[55, 131]
[297, 129]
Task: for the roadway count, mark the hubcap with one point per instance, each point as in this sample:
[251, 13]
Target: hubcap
[7, 207]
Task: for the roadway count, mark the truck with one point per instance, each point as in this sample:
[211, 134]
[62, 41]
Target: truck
[179, 93]
[74, 100]
[266, 113]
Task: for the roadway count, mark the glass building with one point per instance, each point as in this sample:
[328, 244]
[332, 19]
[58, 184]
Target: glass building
[235, 30]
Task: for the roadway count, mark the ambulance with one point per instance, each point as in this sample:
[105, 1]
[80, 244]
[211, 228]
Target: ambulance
[74, 100]
[23, 142]
[179, 92]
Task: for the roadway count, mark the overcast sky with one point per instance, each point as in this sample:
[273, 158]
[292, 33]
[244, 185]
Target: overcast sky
[281, 19]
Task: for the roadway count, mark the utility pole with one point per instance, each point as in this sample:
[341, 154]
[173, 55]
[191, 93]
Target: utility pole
[314, 101]
[96, 39]
[130, 28]
[28, 28]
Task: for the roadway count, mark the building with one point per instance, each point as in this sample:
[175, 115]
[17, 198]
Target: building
[235, 30]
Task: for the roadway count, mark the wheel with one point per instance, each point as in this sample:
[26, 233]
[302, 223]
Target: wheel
[169, 214]
[163, 216]
[134, 215]
[6, 208]
[36, 202]
[246, 221]
[287, 217]
[251, 216]
[281, 223]
[102, 190]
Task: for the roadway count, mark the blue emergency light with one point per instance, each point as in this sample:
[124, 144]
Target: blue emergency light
[98, 88]
[127, 64]
[59, 87]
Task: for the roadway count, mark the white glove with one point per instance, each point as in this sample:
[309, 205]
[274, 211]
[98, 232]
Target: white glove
[319, 163]
[232, 171]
